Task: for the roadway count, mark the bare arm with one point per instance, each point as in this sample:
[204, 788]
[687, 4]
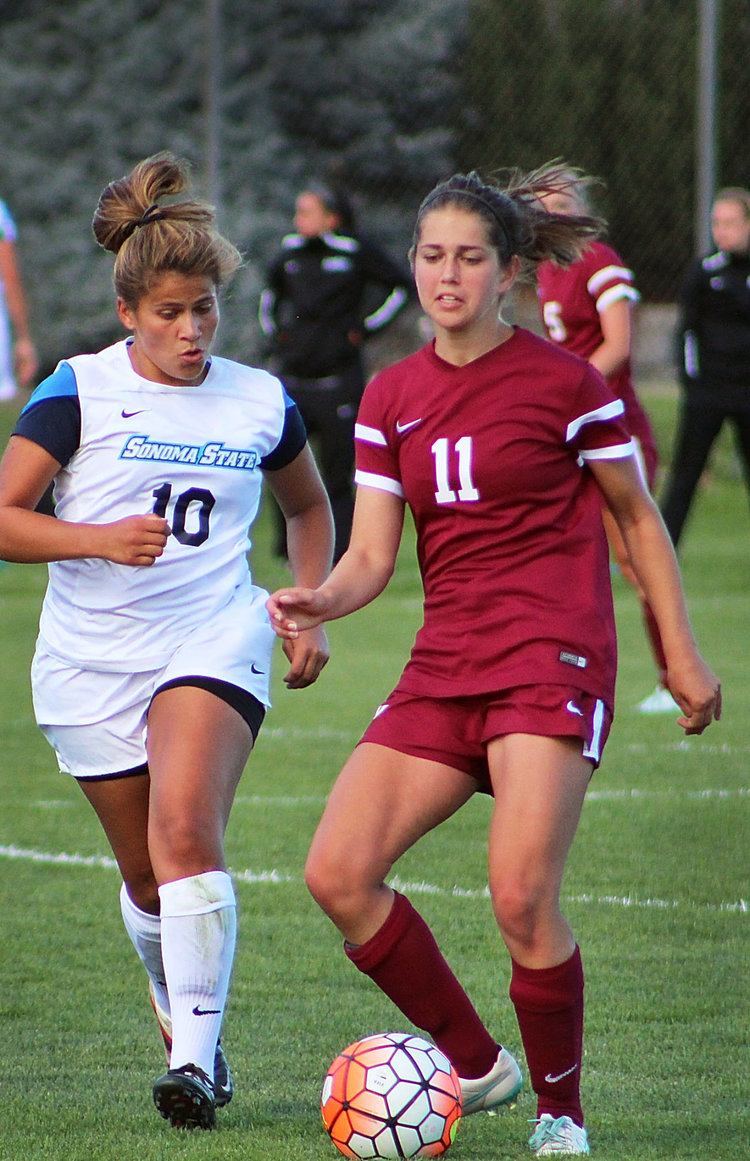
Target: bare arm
[24, 355]
[362, 573]
[29, 537]
[304, 503]
[614, 350]
[691, 682]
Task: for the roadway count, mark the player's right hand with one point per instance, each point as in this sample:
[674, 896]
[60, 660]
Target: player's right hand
[293, 610]
[134, 540]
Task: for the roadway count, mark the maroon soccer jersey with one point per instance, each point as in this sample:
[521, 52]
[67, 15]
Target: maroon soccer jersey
[571, 299]
[490, 458]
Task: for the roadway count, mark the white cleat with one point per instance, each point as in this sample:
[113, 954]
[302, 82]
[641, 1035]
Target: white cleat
[558, 1137]
[499, 1087]
[659, 702]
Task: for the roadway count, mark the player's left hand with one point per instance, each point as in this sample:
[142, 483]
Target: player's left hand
[308, 654]
[697, 691]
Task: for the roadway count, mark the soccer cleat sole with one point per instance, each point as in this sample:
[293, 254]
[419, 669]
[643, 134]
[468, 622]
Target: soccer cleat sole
[184, 1102]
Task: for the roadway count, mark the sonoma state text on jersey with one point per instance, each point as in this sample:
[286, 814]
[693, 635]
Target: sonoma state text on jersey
[215, 455]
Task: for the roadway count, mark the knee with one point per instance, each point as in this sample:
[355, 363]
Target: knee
[184, 845]
[322, 880]
[519, 912]
[333, 886]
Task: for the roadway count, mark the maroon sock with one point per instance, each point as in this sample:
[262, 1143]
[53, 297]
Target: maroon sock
[549, 1007]
[404, 960]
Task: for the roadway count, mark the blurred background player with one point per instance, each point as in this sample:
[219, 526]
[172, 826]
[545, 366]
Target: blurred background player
[586, 307]
[327, 291]
[714, 355]
[18, 360]
[151, 672]
[500, 444]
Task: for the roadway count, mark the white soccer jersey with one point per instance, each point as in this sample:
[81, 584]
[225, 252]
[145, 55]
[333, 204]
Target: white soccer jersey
[191, 454]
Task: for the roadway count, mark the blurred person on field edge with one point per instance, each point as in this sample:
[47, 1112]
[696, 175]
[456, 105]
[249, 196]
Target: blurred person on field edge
[327, 291]
[587, 308]
[151, 673]
[714, 355]
[502, 446]
[18, 360]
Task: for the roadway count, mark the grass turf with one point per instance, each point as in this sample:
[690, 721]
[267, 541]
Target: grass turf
[654, 890]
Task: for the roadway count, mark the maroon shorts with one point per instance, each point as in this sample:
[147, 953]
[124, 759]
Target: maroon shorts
[455, 730]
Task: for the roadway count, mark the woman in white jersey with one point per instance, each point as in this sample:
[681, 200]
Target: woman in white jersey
[18, 361]
[151, 672]
[500, 443]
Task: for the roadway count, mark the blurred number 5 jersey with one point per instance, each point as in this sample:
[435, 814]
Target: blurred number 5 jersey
[571, 299]
[191, 454]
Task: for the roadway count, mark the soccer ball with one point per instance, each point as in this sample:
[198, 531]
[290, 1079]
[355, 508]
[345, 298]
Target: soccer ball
[391, 1095]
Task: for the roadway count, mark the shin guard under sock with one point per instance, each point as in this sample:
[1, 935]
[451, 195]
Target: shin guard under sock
[199, 927]
[144, 930]
[549, 1008]
[404, 960]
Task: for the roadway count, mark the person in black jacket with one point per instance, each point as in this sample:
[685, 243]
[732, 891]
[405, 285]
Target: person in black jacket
[714, 336]
[327, 291]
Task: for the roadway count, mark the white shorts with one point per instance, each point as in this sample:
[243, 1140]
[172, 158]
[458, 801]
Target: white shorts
[96, 720]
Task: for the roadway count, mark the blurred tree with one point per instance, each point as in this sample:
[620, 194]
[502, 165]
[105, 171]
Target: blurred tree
[386, 95]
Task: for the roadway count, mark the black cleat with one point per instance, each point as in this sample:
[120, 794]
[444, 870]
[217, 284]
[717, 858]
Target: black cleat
[185, 1097]
[223, 1083]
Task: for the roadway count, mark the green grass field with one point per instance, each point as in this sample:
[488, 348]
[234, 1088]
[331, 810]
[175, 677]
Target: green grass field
[654, 889]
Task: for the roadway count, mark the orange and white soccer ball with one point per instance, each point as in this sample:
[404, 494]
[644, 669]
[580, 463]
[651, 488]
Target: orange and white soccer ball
[391, 1095]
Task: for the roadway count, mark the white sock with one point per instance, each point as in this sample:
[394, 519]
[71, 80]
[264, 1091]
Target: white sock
[199, 930]
[144, 930]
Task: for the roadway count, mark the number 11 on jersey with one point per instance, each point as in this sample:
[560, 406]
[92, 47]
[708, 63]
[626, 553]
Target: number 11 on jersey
[447, 459]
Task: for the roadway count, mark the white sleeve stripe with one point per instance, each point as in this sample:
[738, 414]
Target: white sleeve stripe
[382, 483]
[265, 312]
[609, 411]
[369, 434]
[618, 451]
[614, 294]
[387, 310]
[607, 274]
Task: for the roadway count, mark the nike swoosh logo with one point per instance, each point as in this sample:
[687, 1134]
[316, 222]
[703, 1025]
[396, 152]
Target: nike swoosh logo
[254, 668]
[402, 427]
[130, 414]
[572, 708]
[198, 1011]
[550, 1079]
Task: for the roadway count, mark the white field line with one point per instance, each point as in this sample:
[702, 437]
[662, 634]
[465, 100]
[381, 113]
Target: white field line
[294, 800]
[274, 876]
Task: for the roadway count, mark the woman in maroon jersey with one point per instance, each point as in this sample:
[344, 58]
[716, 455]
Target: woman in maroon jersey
[501, 445]
[586, 307]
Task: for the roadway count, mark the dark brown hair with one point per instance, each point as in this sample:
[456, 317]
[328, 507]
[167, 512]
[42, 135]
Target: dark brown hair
[150, 237]
[517, 223]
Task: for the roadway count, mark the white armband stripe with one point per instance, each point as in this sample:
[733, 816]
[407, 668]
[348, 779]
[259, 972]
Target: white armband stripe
[608, 411]
[607, 274]
[369, 434]
[382, 483]
[614, 294]
[619, 451]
